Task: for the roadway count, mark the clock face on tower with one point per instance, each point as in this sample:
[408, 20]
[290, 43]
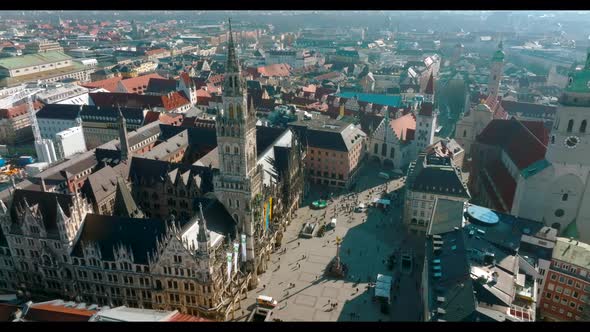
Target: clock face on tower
[572, 141]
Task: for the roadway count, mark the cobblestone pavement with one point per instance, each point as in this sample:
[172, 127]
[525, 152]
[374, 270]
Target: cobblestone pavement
[296, 278]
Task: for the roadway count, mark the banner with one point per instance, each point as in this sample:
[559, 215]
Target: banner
[243, 237]
[270, 207]
[267, 215]
[229, 254]
[236, 252]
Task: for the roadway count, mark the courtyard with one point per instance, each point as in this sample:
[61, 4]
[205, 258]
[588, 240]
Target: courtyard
[296, 277]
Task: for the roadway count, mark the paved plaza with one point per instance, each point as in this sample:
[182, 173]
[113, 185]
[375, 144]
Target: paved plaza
[296, 277]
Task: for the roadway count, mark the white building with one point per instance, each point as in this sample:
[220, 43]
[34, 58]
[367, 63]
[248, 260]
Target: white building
[55, 118]
[64, 94]
[69, 142]
[555, 189]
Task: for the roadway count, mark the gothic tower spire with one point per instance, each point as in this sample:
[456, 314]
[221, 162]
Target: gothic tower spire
[124, 143]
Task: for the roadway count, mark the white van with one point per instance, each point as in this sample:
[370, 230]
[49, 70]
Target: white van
[266, 301]
[333, 223]
[384, 175]
[361, 208]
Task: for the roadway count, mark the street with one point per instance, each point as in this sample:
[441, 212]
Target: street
[296, 277]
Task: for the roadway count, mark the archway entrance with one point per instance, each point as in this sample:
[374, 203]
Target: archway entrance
[388, 164]
[375, 160]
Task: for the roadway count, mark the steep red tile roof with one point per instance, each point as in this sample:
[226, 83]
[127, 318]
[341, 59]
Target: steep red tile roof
[169, 102]
[22, 109]
[216, 79]
[165, 118]
[404, 126]
[48, 312]
[156, 51]
[186, 78]
[276, 70]
[110, 84]
[174, 100]
[503, 181]
[525, 142]
[138, 84]
[202, 93]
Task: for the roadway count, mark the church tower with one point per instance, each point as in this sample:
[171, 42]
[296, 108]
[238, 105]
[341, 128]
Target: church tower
[239, 179]
[124, 143]
[568, 141]
[496, 71]
[426, 118]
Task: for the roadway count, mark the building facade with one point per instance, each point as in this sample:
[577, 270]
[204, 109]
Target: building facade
[566, 292]
[555, 189]
[430, 178]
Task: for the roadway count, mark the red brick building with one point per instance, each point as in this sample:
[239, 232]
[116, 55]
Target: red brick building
[565, 293]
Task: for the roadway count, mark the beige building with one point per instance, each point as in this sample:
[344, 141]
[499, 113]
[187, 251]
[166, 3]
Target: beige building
[15, 124]
[335, 150]
[430, 178]
[51, 66]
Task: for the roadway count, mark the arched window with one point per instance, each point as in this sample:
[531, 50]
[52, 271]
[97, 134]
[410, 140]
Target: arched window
[376, 150]
[236, 150]
[239, 111]
[392, 153]
[570, 126]
[384, 149]
[231, 111]
[227, 149]
[465, 133]
[552, 139]
[564, 197]
[583, 127]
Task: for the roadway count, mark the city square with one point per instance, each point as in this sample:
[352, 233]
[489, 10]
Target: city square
[368, 239]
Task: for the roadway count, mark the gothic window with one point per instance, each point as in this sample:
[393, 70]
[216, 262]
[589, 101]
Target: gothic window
[570, 126]
[384, 149]
[552, 139]
[564, 197]
[583, 127]
[231, 111]
[227, 149]
[376, 150]
[239, 111]
[233, 131]
[495, 77]
[222, 131]
[392, 153]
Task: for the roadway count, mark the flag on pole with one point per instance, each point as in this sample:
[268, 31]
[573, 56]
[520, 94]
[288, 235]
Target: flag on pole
[270, 207]
[243, 237]
[236, 252]
[229, 254]
[267, 215]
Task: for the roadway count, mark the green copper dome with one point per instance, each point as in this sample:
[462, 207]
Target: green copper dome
[579, 81]
[498, 56]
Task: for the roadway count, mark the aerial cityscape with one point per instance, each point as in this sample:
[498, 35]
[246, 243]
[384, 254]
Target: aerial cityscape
[282, 166]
